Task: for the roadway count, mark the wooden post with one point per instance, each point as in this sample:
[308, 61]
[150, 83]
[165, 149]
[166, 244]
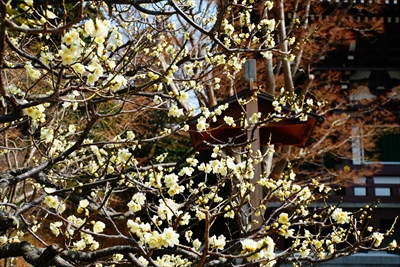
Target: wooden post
[253, 134]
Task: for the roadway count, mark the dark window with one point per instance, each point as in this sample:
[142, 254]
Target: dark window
[339, 191]
[387, 146]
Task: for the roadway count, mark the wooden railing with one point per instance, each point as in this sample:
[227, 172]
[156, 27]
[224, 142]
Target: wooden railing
[368, 193]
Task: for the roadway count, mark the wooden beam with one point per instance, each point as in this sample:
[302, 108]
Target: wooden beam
[253, 134]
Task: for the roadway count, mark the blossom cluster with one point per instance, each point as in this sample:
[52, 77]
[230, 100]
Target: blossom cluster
[152, 238]
[259, 250]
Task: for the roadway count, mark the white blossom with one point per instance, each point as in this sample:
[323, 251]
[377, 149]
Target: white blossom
[217, 243]
[341, 216]
[98, 227]
[377, 238]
